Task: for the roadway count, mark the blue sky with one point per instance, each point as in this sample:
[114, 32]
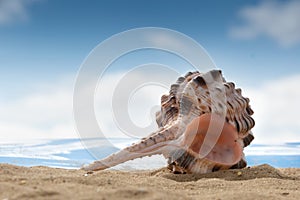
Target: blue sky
[44, 42]
[57, 35]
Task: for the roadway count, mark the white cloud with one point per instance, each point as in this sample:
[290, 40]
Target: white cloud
[14, 10]
[276, 110]
[274, 19]
[272, 150]
[48, 114]
[139, 97]
[42, 114]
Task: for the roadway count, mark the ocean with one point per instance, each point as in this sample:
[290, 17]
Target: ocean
[70, 153]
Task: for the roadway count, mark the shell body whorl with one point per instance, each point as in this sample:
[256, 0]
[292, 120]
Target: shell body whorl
[197, 94]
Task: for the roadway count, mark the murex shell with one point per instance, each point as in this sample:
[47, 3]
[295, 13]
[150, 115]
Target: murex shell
[203, 126]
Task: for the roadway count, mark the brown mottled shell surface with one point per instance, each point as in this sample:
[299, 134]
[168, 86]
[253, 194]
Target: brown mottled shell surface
[195, 96]
[238, 109]
[203, 97]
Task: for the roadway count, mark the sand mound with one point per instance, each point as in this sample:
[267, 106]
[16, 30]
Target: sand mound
[261, 171]
[259, 182]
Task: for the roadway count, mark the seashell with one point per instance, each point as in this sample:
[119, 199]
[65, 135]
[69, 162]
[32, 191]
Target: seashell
[203, 126]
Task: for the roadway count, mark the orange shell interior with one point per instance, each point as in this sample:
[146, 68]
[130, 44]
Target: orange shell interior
[223, 146]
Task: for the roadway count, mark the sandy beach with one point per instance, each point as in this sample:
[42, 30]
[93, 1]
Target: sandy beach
[258, 182]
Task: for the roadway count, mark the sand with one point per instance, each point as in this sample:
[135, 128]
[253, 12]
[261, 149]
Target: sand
[259, 182]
